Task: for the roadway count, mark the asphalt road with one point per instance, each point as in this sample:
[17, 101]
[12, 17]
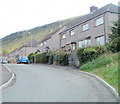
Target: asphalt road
[40, 83]
[5, 75]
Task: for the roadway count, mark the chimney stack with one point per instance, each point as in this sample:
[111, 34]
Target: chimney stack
[93, 8]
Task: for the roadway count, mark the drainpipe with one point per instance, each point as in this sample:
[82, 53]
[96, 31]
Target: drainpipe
[105, 29]
[60, 41]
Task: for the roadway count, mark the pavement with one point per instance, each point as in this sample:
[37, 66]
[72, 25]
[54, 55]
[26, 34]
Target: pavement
[5, 75]
[65, 67]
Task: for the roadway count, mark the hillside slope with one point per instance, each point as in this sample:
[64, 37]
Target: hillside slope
[17, 39]
[104, 67]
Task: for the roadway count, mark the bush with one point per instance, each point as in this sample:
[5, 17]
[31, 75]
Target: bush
[97, 63]
[42, 58]
[59, 58]
[31, 57]
[89, 53]
[62, 58]
[114, 37]
[51, 57]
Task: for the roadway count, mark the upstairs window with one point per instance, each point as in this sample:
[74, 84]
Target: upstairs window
[85, 27]
[41, 44]
[72, 32]
[63, 36]
[100, 40]
[45, 42]
[99, 21]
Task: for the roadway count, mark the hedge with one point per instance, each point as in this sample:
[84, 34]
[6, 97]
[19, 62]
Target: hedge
[60, 58]
[42, 58]
[31, 57]
[86, 54]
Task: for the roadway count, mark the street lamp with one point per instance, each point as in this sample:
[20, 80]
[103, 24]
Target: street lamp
[31, 40]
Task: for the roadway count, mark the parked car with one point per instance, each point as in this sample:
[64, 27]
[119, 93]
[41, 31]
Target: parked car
[4, 62]
[23, 59]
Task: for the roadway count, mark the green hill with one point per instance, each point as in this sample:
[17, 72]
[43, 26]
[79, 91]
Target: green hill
[17, 39]
[104, 67]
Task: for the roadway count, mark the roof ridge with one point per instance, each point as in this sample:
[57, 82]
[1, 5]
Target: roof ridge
[109, 5]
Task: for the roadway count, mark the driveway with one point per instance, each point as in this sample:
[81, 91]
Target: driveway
[40, 83]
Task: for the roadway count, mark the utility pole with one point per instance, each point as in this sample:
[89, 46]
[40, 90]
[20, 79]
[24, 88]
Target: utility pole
[31, 40]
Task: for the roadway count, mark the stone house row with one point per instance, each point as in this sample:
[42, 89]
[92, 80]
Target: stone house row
[25, 49]
[91, 29]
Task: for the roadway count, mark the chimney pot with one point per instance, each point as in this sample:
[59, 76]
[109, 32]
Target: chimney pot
[93, 8]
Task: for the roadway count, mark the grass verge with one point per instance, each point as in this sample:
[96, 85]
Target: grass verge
[106, 67]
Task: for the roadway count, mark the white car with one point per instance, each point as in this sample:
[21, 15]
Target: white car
[4, 62]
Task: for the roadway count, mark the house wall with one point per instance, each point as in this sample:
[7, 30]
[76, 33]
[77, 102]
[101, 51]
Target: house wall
[93, 31]
[109, 17]
[42, 48]
[55, 40]
[53, 43]
[25, 51]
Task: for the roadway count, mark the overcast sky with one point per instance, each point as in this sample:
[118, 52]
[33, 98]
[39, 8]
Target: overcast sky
[18, 15]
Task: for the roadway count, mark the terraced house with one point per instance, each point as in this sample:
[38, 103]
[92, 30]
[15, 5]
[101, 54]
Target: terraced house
[51, 41]
[91, 29]
[88, 30]
[25, 50]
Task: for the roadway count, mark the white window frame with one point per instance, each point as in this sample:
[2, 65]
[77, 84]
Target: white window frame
[63, 36]
[41, 44]
[100, 40]
[73, 47]
[45, 42]
[81, 43]
[72, 32]
[99, 21]
[84, 43]
[85, 27]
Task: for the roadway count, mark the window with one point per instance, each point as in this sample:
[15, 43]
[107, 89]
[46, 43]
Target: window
[85, 27]
[100, 40]
[81, 44]
[72, 32]
[45, 43]
[41, 44]
[84, 43]
[87, 42]
[63, 36]
[73, 47]
[99, 21]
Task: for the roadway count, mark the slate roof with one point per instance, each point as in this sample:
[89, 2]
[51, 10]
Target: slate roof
[108, 8]
[50, 35]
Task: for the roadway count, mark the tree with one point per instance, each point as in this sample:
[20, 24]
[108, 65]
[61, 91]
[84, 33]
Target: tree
[114, 37]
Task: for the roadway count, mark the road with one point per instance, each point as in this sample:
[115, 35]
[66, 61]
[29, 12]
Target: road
[40, 83]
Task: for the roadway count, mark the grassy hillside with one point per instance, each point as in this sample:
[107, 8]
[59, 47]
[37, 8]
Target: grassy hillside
[106, 67]
[15, 40]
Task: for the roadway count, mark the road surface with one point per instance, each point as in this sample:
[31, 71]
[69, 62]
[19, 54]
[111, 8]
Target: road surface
[41, 83]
